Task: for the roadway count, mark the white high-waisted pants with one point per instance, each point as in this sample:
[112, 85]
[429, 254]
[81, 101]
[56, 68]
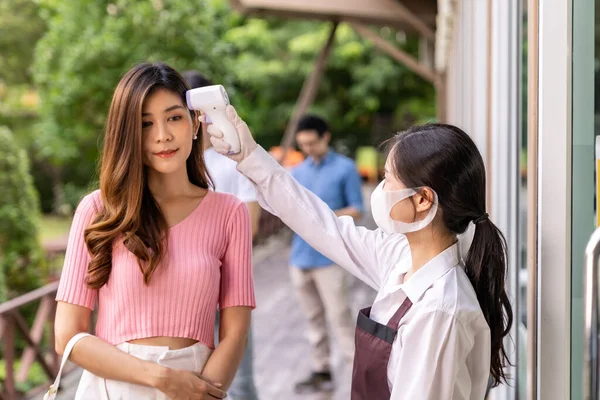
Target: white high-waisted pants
[192, 358]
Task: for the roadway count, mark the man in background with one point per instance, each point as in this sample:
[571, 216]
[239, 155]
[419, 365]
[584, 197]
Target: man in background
[320, 284]
[227, 179]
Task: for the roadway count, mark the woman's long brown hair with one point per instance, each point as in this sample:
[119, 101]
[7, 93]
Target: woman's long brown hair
[129, 211]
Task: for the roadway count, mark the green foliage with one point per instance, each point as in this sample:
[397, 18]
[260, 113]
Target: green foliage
[271, 59]
[20, 27]
[90, 44]
[80, 60]
[36, 377]
[21, 261]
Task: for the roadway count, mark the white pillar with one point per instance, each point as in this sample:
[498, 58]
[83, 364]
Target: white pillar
[504, 159]
[554, 200]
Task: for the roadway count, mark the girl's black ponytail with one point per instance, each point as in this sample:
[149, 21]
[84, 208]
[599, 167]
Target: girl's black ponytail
[486, 265]
[445, 158]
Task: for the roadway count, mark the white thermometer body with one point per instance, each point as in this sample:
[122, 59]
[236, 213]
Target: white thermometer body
[212, 101]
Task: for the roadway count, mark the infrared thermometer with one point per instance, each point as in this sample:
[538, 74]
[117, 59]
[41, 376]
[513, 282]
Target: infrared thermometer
[212, 101]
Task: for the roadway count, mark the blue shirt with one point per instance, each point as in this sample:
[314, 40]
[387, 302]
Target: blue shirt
[335, 181]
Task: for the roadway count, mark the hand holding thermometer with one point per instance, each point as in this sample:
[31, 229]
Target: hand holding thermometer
[212, 101]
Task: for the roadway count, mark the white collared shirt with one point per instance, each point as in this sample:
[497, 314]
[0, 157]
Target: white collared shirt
[442, 350]
[226, 177]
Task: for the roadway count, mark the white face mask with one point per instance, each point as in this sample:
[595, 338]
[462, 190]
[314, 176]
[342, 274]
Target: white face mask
[382, 203]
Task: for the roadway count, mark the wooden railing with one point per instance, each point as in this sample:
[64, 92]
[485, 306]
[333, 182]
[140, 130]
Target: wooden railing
[14, 325]
[268, 226]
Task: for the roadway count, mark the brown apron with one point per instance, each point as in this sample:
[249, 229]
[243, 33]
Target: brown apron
[373, 347]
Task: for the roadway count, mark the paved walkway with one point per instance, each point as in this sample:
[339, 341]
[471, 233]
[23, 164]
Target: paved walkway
[281, 352]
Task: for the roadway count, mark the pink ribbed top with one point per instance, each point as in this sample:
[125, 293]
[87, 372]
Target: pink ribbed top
[208, 263]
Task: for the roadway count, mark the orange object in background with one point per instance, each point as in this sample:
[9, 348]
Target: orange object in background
[369, 164]
[292, 158]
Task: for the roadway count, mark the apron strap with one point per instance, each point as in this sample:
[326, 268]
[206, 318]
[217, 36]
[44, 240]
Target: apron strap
[395, 320]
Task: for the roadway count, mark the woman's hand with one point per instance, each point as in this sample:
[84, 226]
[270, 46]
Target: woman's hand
[186, 385]
[247, 142]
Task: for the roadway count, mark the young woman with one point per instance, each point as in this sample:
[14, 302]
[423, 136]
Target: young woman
[436, 328]
[157, 251]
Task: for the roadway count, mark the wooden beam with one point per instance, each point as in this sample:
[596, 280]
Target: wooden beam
[308, 92]
[394, 52]
[17, 302]
[417, 23]
[394, 13]
[426, 53]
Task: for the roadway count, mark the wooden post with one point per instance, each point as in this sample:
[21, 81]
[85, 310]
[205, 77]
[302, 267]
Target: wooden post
[9, 357]
[394, 52]
[440, 98]
[21, 325]
[42, 315]
[532, 194]
[56, 359]
[308, 92]
[426, 52]
[2, 326]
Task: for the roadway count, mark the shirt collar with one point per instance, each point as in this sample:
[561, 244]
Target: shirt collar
[431, 272]
[328, 157]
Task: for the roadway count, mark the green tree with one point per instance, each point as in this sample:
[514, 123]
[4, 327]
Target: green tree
[271, 59]
[21, 260]
[20, 27]
[89, 45]
[262, 62]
